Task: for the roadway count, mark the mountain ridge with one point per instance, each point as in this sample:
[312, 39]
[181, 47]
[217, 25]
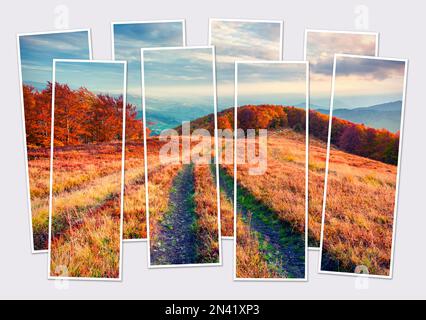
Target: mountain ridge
[380, 116]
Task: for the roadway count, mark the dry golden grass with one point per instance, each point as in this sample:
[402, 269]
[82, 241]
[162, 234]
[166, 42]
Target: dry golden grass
[359, 214]
[226, 216]
[282, 186]
[250, 262]
[134, 211]
[317, 161]
[206, 209]
[134, 214]
[93, 167]
[226, 158]
[91, 249]
[86, 217]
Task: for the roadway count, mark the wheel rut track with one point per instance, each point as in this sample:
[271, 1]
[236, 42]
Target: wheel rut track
[281, 245]
[176, 241]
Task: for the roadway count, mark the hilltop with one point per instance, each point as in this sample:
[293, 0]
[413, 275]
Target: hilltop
[376, 144]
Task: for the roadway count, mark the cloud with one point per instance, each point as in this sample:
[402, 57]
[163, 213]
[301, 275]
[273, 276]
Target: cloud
[272, 79]
[360, 81]
[236, 40]
[38, 51]
[253, 40]
[368, 69]
[179, 73]
[321, 47]
[54, 42]
[177, 66]
[130, 38]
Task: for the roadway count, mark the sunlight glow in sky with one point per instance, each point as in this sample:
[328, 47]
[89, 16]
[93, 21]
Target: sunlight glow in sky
[272, 83]
[320, 50]
[362, 82]
[236, 40]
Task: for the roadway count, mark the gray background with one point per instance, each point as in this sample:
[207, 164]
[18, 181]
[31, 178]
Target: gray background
[23, 275]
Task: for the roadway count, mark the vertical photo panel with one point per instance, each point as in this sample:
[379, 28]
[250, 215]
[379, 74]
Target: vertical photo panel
[36, 53]
[270, 172]
[320, 47]
[179, 97]
[128, 39]
[87, 156]
[361, 185]
[234, 40]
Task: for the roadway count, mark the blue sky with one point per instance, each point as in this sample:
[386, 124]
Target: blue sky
[236, 40]
[38, 51]
[179, 86]
[130, 38]
[97, 77]
[272, 83]
[320, 50]
[364, 82]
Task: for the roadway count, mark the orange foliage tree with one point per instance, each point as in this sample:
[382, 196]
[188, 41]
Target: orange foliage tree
[81, 117]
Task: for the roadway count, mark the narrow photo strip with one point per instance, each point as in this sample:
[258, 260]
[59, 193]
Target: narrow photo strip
[87, 169]
[36, 52]
[270, 172]
[236, 39]
[362, 172]
[179, 94]
[320, 47]
[127, 40]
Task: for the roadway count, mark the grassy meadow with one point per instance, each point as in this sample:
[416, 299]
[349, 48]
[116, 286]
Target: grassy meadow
[359, 214]
[100, 172]
[316, 171]
[271, 211]
[86, 197]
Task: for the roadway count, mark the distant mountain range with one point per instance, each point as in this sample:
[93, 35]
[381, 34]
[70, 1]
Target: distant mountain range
[381, 116]
[168, 115]
[311, 106]
[386, 115]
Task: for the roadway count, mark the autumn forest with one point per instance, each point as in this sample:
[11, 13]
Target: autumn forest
[78, 121]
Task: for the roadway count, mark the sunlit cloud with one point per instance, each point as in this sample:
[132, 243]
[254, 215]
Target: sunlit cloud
[242, 41]
[269, 83]
[320, 49]
[246, 40]
[370, 69]
[369, 79]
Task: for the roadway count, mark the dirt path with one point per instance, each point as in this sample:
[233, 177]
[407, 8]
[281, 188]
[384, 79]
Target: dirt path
[283, 248]
[176, 242]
